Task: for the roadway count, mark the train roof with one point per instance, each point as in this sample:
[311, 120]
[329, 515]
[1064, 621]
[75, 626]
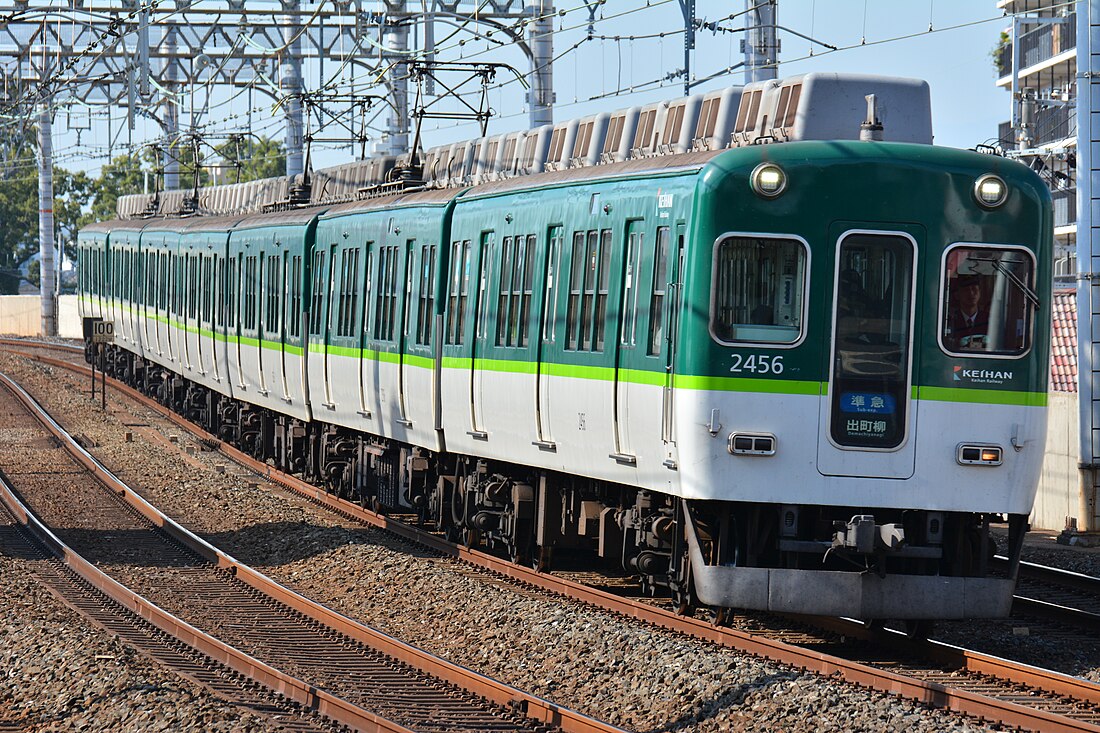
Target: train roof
[424, 197]
[289, 217]
[659, 165]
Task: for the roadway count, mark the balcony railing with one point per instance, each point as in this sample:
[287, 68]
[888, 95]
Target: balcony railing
[1040, 44]
[1065, 207]
[1051, 125]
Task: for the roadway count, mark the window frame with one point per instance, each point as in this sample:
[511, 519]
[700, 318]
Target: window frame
[914, 296]
[807, 274]
[941, 295]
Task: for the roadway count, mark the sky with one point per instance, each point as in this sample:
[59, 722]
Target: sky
[888, 37]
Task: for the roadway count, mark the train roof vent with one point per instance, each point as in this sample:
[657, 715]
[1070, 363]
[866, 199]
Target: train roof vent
[561, 145]
[746, 128]
[620, 133]
[679, 126]
[588, 144]
[136, 206]
[819, 106]
[651, 121]
[511, 150]
[434, 165]
[488, 164]
[533, 151]
[460, 163]
[717, 115]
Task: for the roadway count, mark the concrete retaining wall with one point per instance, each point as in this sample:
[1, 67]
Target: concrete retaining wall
[21, 315]
[1059, 486]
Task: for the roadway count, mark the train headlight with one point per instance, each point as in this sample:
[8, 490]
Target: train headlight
[990, 191]
[768, 180]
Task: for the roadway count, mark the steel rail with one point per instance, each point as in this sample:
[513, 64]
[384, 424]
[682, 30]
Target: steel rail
[297, 690]
[531, 706]
[926, 692]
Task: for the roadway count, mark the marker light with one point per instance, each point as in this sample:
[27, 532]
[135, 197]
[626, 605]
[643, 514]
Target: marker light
[990, 191]
[979, 455]
[769, 180]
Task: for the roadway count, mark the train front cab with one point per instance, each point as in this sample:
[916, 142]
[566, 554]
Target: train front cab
[851, 437]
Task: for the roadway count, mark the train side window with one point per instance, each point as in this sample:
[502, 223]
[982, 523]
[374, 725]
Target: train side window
[348, 304]
[248, 293]
[386, 295]
[657, 292]
[634, 242]
[603, 281]
[588, 297]
[519, 258]
[425, 316]
[208, 290]
[273, 288]
[758, 288]
[294, 298]
[987, 301]
[553, 260]
[233, 291]
[576, 286]
[458, 289]
[528, 284]
[504, 294]
[317, 292]
[487, 247]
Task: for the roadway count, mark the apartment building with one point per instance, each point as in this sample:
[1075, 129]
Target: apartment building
[1036, 62]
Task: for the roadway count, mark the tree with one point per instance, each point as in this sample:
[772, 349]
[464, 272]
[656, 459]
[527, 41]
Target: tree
[254, 158]
[19, 214]
[125, 174]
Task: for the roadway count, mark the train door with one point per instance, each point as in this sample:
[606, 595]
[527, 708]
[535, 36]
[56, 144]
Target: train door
[403, 339]
[547, 337]
[626, 335]
[202, 310]
[217, 316]
[483, 253]
[170, 289]
[330, 286]
[259, 303]
[284, 328]
[234, 295]
[186, 299]
[867, 420]
[668, 265]
[365, 385]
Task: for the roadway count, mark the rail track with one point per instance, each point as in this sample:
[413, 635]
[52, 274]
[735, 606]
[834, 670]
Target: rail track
[315, 658]
[986, 687]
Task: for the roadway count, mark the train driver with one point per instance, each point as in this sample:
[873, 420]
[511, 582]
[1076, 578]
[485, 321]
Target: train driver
[967, 323]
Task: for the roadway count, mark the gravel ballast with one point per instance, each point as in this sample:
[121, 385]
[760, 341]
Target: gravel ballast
[586, 659]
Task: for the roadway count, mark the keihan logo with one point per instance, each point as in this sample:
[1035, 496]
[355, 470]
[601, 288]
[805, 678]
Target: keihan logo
[983, 376]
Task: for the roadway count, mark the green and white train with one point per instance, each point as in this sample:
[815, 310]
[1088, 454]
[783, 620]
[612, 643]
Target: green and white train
[803, 376]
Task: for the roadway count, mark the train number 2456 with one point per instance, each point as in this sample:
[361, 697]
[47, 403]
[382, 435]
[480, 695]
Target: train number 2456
[757, 363]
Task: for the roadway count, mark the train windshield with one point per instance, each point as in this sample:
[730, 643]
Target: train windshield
[987, 301]
[759, 284]
[870, 381]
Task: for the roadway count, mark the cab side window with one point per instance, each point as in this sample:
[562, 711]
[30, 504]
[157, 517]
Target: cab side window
[759, 287]
[988, 301]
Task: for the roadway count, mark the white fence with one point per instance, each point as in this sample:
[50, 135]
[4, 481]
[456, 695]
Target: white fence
[21, 315]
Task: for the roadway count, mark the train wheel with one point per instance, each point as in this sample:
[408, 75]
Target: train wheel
[683, 591]
[540, 558]
[917, 629]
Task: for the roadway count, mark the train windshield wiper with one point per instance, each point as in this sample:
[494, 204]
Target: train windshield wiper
[1012, 277]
